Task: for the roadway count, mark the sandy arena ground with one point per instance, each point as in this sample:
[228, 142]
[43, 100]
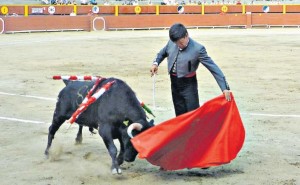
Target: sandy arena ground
[261, 65]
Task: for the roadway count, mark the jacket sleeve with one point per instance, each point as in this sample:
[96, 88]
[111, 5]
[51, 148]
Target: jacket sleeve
[161, 55]
[214, 69]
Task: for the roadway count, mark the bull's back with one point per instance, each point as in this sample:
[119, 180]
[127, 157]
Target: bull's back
[117, 104]
[75, 92]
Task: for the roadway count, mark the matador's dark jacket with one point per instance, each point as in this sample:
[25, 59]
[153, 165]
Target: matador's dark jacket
[188, 60]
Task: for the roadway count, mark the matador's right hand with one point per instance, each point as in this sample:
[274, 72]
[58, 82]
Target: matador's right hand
[153, 69]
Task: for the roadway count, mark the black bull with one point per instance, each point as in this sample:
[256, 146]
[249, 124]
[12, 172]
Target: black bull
[107, 114]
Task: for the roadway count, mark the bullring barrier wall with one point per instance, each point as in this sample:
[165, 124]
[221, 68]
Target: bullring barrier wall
[30, 18]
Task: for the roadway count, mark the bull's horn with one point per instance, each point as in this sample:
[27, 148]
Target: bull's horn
[134, 126]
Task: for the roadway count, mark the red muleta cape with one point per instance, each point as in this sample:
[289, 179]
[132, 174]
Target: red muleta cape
[211, 135]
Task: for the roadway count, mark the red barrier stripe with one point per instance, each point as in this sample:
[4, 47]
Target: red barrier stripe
[56, 77]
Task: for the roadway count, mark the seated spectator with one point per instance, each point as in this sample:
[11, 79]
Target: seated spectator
[135, 2]
[93, 2]
[83, 2]
[127, 2]
[106, 2]
[90, 13]
[45, 2]
[73, 14]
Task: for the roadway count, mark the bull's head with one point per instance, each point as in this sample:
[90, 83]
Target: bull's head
[132, 130]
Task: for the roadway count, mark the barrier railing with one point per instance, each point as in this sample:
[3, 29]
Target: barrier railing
[149, 17]
[17, 24]
[2, 25]
[117, 10]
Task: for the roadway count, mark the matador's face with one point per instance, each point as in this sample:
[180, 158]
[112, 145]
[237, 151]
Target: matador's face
[183, 42]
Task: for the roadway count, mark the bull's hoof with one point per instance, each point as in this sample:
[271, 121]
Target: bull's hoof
[78, 141]
[205, 168]
[162, 169]
[116, 171]
[47, 153]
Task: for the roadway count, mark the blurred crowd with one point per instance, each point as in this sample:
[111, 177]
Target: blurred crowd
[70, 2]
[160, 2]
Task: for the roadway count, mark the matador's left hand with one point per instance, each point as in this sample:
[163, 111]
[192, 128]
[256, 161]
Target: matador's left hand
[227, 95]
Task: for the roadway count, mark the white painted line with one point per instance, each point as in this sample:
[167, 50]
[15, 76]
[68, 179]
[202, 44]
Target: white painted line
[141, 34]
[251, 114]
[273, 115]
[22, 120]
[28, 96]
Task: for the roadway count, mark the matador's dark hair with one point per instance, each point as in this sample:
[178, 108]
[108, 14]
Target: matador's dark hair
[177, 31]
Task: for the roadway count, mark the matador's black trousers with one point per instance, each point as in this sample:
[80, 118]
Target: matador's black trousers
[184, 94]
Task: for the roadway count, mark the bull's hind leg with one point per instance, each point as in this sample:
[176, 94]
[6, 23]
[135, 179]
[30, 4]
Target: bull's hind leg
[78, 139]
[56, 123]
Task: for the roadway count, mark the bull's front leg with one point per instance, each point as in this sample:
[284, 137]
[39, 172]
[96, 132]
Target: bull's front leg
[112, 149]
[121, 154]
